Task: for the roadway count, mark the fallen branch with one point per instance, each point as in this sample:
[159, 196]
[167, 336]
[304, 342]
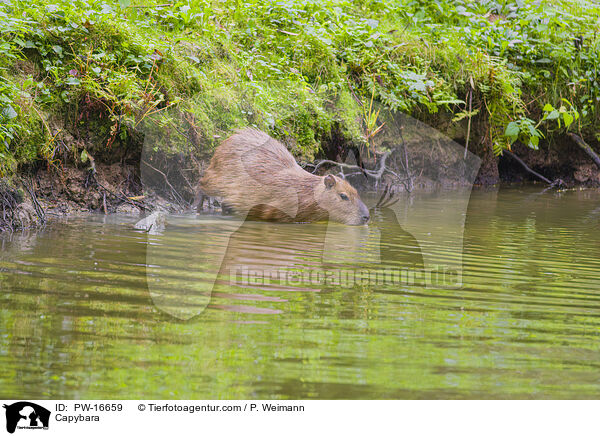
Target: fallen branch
[376, 174]
[581, 143]
[529, 170]
[382, 167]
[470, 117]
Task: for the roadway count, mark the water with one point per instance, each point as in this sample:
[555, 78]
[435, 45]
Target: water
[87, 305]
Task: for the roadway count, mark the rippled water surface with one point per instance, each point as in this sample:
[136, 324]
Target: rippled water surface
[213, 308]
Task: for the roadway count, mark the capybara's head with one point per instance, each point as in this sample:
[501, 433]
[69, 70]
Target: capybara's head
[341, 201]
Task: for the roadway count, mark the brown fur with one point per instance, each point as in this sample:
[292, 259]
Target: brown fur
[256, 176]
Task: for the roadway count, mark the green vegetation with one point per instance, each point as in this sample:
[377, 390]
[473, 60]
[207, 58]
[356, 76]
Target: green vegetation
[84, 75]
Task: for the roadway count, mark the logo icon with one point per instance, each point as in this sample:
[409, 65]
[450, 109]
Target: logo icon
[26, 415]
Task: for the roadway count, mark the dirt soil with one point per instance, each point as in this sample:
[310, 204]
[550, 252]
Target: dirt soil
[116, 188]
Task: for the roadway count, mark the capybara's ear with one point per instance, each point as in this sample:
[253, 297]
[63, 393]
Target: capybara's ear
[329, 181]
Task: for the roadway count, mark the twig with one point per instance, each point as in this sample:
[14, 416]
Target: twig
[177, 197]
[121, 197]
[470, 116]
[353, 94]
[43, 121]
[152, 6]
[288, 33]
[38, 208]
[581, 143]
[185, 178]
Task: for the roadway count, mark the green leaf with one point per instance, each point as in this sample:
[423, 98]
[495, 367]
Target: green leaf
[454, 101]
[568, 119]
[533, 131]
[548, 107]
[512, 130]
[372, 23]
[533, 142]
[9, 112]
[552, 115]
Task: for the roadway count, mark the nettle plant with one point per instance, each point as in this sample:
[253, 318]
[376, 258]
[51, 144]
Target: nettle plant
[554, 119]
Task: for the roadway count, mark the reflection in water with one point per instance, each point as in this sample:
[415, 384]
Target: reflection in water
[397, 247]
[77, 319]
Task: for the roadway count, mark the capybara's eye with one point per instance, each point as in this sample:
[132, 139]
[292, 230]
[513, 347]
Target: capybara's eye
[344, 196]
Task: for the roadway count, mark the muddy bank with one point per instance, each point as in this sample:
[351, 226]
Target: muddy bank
[35, 195]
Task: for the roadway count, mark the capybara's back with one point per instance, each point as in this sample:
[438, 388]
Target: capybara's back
[250, 169]
[245, 154]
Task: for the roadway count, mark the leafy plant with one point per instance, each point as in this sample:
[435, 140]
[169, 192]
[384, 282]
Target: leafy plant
[294, 67]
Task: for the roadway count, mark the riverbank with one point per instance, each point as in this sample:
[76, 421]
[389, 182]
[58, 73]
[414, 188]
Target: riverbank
[79, 79]
[83, 85]
[33, 197]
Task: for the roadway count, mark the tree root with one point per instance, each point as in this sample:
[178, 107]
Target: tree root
[585, 147]
[38, 208]
[15, 213]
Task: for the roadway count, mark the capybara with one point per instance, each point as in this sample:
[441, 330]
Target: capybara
[255, 175]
